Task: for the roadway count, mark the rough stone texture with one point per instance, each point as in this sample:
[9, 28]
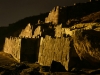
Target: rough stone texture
[67, 31]
[57, 16]
[87, 46]
[22, 49]
[87, 43]
[58, 30]
[57, 49]
[53, 16]
[27, 32]
[13, 47]
[37, 32]
[86, 26]
[60, 49]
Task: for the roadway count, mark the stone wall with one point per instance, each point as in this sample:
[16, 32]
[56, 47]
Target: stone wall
[57, 49]
[22, 49]
[67, 31]
[37, 32]
[53, 16]
[27, 32]
[57, 16]
[59, 31]
[13, 47]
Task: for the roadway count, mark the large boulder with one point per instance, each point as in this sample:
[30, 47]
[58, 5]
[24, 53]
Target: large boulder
[87, 46]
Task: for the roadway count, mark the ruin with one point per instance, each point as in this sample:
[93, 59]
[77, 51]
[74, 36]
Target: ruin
[22, 49]
[12, 46]
[46, 49]
[54, 39]
[27, 32]
[33, 48]
[57, 49]
[53, 16]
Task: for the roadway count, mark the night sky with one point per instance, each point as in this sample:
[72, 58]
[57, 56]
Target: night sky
[14, 10]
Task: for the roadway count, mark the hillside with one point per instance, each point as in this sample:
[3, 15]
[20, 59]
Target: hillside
[93, 17]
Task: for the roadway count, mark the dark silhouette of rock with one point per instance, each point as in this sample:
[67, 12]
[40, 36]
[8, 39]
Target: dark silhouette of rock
[57, 67]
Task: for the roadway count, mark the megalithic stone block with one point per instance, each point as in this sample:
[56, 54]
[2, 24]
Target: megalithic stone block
[59, 50]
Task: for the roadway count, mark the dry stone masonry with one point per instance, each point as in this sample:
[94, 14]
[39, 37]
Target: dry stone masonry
[56, 49]
[37, 32]
[53, 16]
[52, 40]
[62, 31]
[44, 50]
[22, 49]
[13, 46]
[27, 32]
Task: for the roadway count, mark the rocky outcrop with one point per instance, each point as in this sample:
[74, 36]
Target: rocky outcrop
[57, 15]
[86, 26]
[67, 45]
[87, 46]
[93, 17]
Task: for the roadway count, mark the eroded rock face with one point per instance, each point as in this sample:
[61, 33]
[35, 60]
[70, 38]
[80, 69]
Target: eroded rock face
[87, 46]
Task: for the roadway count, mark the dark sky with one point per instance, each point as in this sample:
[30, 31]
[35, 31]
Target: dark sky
[14, 10]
